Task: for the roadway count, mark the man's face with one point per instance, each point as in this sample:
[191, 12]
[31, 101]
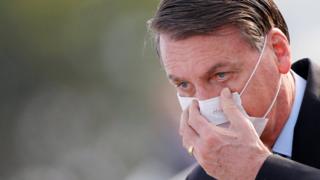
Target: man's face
[201, 66]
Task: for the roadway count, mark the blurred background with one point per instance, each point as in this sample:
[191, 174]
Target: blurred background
[83, 95]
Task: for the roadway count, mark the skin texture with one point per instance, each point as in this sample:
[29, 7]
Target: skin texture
[213, 65]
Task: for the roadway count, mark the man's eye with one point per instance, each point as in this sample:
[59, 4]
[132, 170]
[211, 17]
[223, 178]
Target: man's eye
[183, 85]
[221, 76]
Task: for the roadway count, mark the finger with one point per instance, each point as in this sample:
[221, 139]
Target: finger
[189, 136]
[183, 119]
[200, 124]
[230, 109]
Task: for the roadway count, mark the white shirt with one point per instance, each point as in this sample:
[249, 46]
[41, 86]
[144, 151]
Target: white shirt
[283, 144]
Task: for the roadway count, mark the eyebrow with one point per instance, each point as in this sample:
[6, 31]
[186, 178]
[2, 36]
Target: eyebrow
[174, 78]
[211, 70]
[215, 67]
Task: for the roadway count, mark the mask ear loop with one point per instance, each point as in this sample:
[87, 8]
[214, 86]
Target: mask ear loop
[274, 99]
[256, 67]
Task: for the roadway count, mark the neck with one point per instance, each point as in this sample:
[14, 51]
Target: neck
[280, 112]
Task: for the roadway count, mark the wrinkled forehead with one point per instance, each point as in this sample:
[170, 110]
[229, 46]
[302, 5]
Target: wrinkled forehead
[166, 42]
[218, 44]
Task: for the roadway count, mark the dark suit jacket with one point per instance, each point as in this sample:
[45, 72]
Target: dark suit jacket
[305, 163]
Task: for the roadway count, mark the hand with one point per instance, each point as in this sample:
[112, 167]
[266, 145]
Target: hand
[235, 152]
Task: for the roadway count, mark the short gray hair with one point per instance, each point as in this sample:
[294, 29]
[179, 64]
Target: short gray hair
[181, 19]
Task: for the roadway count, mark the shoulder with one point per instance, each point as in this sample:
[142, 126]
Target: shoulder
[276, 167]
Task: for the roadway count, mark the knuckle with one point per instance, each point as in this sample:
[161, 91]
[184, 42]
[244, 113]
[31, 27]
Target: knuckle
[193, 122]
[187, 120]
[209, 139]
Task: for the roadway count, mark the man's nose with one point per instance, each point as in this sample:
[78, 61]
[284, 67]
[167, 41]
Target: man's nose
[205, 92]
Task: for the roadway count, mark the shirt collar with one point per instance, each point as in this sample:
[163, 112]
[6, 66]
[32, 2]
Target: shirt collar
[283, 144]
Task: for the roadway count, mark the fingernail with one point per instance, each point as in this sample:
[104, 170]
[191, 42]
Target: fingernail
[226, 93]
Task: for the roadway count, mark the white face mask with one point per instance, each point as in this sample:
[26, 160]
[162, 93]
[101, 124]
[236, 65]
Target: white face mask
[211, 109]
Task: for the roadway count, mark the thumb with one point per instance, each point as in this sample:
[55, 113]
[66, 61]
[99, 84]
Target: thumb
[230, 109]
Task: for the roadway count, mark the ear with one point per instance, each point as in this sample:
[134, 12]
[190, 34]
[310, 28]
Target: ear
[281, 48]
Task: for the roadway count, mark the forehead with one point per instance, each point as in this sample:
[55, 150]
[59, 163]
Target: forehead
[199, 52]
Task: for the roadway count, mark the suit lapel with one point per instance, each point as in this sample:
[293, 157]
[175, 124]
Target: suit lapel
[307, 130]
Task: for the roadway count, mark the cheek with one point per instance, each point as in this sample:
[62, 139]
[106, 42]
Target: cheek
[252, 105]
[257, 99]
[235, 85]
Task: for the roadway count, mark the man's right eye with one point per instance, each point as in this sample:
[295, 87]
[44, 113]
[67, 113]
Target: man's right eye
[183, 85]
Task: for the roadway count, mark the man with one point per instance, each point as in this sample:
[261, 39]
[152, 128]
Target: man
[218, 50]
